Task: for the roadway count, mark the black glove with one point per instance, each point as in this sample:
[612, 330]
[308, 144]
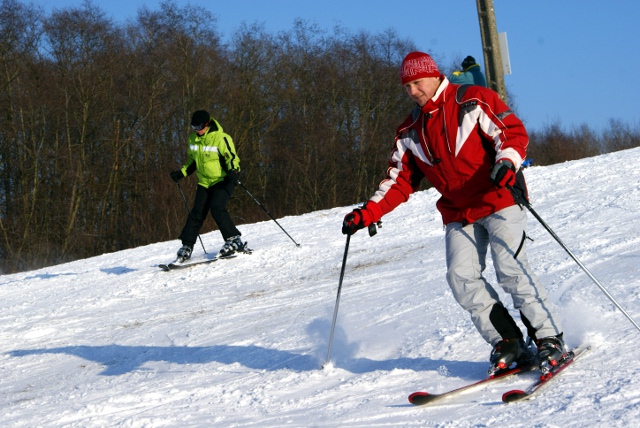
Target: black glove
[503, 174]
[234, 176]
[177, 175]
[355, 220]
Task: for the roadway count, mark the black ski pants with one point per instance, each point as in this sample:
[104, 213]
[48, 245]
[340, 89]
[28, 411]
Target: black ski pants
[213, 199]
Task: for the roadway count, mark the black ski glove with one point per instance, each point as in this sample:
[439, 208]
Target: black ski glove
[234, 176]
[356, 220]
[503, 174]
[177, 175]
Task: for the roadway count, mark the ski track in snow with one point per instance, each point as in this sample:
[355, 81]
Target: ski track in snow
[114, 341]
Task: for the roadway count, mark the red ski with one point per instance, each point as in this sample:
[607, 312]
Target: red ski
[516, 394]
[421, 398]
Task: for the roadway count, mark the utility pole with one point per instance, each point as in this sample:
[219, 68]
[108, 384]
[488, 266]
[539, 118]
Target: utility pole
[491, 47]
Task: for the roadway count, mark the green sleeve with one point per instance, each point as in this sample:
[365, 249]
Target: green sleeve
[228, 150]
[189, 166]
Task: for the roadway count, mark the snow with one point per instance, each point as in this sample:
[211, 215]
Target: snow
[114, 341]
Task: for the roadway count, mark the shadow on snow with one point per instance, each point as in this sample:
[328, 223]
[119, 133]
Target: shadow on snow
[119, 359]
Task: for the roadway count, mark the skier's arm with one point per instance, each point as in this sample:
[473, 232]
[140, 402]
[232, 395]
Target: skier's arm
[189, 167]
[403, 178]
[503, 128]
[228, 151]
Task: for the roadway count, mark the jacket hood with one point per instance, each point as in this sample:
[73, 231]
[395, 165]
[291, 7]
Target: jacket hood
[215, 126]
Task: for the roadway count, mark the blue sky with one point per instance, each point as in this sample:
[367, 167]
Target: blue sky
[568, 58]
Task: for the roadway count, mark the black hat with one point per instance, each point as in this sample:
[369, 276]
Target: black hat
[200, 117]
[468, 62]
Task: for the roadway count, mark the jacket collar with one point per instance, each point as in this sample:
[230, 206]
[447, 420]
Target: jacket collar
[439, 98]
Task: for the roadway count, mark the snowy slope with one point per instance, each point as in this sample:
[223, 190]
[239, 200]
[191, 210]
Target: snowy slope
[113, 341]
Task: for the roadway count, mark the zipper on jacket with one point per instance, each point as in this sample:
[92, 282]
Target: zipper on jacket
[434, 161]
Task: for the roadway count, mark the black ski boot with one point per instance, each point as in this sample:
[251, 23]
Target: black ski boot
[551, 350]
[510, 353]
[231, 246]
[184, 253]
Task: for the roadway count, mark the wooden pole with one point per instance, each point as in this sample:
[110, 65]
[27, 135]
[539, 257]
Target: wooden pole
[491, 47]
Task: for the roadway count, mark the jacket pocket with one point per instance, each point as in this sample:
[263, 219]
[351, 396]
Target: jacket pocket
[211, 165]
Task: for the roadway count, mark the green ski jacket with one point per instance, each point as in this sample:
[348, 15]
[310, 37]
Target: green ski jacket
[211, 155]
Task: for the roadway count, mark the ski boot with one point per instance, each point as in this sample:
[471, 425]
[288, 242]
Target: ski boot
[551, 350]
[231, 246]
[510, 353]
[184, 253]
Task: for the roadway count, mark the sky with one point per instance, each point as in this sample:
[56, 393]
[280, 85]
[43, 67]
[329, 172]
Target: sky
[569, 59]
[113, 341]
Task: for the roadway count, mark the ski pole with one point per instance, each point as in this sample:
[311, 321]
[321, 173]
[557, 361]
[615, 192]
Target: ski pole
[266, 211]
[186, 205]
[584, 268]
[335, 309]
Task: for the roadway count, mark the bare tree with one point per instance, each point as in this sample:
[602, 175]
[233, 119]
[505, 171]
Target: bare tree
[22, 153]
[93, 116]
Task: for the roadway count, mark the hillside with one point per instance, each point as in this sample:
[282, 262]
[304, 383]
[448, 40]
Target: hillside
[113, 341]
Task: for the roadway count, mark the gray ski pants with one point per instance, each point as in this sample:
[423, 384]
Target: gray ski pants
[466, 251]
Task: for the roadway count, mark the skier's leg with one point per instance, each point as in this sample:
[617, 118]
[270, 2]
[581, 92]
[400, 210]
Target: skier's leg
[221, 193]
[196, 217]
[508, 250]
[466, 250]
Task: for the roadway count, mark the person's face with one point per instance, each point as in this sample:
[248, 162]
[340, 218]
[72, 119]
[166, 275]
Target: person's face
[422, 90]
[200, 130]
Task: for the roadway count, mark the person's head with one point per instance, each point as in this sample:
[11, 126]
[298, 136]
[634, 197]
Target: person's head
[200, 121]
[420, 77]
[468, 62]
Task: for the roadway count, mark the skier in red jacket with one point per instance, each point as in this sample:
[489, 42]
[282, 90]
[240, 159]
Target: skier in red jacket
[470, 146]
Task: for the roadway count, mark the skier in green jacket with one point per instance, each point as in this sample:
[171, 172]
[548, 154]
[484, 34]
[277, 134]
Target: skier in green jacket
[212, 155]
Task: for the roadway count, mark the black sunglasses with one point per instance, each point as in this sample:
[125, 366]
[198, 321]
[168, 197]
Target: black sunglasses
[199, 127]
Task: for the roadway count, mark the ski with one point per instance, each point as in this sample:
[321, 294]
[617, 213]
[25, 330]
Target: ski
[516, 394]
[177, 265]
[421, 398]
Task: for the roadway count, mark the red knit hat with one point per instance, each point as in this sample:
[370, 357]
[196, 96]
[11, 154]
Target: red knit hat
[418, 65]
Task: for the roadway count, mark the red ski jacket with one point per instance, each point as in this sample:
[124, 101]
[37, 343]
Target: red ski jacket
[454, 141]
